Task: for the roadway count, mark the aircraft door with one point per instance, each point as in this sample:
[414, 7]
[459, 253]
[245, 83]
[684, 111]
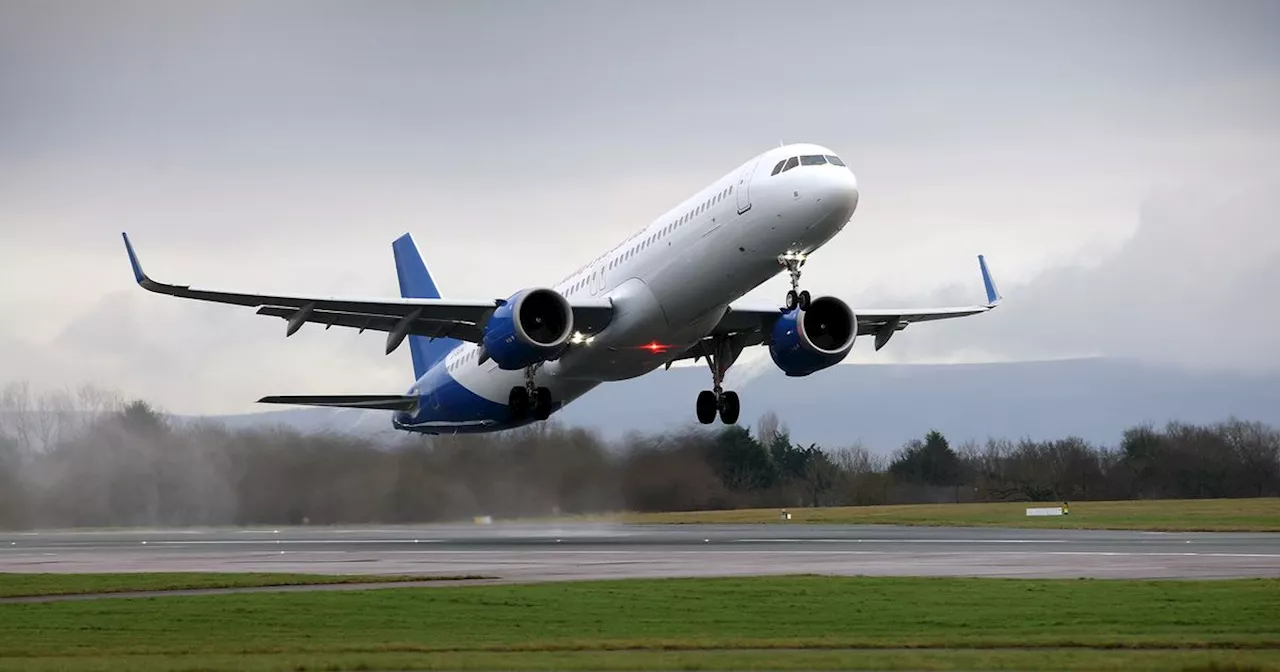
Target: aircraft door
[743, 188]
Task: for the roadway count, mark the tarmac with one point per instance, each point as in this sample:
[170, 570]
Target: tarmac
[553, 552]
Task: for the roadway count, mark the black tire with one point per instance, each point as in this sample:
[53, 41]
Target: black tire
[518, 403]
[729, 408]
[804, 300]
[792, 300]
[542, 404]
[706, 407]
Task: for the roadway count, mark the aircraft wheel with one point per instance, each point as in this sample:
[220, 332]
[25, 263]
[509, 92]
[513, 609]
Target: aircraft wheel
[729, 408]
[793, 300]
[804, 299]
[542, 404]
[706, 407]
[518, 403]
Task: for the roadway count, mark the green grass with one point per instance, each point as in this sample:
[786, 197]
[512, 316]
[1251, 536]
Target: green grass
[782, 622]
[29, 585]
[1210, 515]
[859, 659]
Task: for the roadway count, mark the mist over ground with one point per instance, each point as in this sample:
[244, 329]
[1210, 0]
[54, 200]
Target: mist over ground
[90, 459]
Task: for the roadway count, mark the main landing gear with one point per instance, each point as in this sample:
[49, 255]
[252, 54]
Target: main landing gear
[723, 353]
[529, 398]
[795, 297]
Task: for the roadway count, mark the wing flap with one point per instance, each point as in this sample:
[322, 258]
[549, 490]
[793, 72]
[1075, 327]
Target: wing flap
[420, 327]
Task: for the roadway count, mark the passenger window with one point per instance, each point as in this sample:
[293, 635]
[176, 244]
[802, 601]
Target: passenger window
[834, 160]
[816, 160]
[791, 163]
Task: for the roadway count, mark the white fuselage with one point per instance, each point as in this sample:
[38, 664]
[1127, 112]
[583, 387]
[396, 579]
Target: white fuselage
[671, 282]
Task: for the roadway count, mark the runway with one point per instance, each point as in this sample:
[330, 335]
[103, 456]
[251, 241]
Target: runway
[550, 552]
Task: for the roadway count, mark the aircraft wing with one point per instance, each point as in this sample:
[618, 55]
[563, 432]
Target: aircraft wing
[752, 326]
[436, 318]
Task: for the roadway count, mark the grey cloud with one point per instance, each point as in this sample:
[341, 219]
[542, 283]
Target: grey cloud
[1195, 286]
[281, 146]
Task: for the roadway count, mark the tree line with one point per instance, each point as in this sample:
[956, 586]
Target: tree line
[87, 458]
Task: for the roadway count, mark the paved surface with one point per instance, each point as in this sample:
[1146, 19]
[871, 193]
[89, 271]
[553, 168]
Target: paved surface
[560, 552]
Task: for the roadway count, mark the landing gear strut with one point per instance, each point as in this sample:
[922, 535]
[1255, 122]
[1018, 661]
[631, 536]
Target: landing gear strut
[529, 398]
[795, 297]
[723, 353]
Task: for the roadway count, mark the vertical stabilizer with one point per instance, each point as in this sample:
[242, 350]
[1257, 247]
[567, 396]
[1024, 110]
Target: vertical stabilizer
[416, 283]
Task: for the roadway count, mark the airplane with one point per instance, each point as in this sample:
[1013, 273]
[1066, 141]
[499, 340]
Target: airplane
[665, 294]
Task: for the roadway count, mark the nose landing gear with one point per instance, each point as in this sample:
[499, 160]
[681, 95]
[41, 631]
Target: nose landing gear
[795, 298]
[724, 351]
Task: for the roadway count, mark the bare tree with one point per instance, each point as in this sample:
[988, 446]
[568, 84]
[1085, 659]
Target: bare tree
[16, 413]
[769, 428]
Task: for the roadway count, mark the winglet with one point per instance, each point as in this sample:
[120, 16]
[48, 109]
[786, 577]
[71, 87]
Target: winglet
[993, 294]
[138, 275]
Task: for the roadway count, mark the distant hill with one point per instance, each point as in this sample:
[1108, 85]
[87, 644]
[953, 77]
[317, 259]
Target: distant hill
[882, 405]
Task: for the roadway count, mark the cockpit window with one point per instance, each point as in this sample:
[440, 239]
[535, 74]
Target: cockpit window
[815, 160]
[778, 168]
[834, 160]
[791, 163]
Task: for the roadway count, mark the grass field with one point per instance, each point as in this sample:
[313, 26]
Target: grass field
[1210, 515]
[784, 622]
[26, 585]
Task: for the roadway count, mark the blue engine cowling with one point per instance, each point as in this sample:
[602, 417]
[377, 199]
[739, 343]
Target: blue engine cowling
[804, 341]
[532, 326]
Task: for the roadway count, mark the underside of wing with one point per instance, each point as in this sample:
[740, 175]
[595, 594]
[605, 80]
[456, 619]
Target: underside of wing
[378, 402]
[436, 318]
[744, 327]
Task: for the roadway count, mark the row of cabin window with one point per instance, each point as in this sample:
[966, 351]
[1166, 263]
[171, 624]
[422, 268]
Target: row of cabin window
[688, 217]
[814, 160]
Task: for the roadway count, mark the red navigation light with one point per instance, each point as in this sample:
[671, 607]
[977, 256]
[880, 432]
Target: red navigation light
[655, 347]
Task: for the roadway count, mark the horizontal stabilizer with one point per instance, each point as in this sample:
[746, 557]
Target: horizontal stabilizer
[378, 402]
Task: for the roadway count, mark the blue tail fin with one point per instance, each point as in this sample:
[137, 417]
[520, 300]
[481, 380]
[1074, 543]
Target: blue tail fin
[416, 283]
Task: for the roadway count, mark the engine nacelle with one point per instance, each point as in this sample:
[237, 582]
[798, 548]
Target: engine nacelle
[532, 326]
[804, 341]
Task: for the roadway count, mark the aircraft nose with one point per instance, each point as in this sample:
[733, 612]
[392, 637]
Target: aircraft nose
[840, 190]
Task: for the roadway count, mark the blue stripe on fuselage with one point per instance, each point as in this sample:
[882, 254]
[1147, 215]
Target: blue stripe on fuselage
[446, 407]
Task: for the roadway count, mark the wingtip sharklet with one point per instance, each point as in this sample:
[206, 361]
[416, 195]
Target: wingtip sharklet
[993, 294]
[138, 276]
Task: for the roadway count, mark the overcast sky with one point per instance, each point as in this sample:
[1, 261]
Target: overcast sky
[1116, 162]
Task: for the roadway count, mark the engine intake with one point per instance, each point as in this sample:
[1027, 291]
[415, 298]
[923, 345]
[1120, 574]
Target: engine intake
[532, 326]
[805, 341]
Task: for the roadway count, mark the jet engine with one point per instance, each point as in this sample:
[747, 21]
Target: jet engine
[532, 326]
[804, 341]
